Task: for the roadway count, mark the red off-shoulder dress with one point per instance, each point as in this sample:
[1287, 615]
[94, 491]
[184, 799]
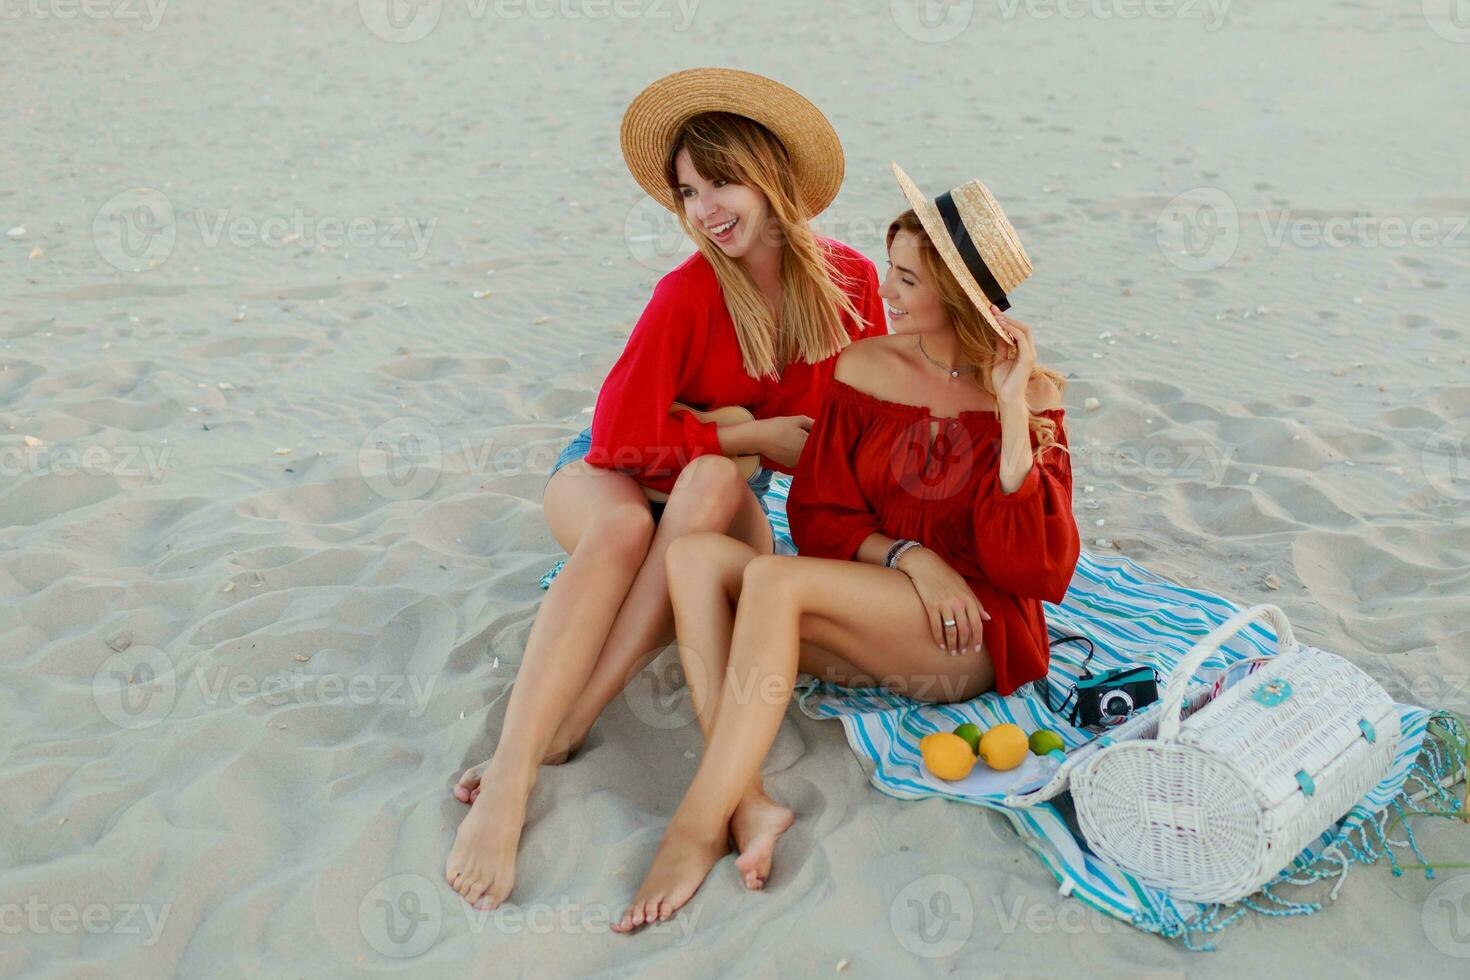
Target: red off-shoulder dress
[868, 466]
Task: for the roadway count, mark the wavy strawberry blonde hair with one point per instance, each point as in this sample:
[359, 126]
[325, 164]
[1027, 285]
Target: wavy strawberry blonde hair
[808, 327]
[977, 339]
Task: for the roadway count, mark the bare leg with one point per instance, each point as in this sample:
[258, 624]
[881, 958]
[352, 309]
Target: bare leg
[705, 572]
[602, 518]
[870, 617]
[709, 495]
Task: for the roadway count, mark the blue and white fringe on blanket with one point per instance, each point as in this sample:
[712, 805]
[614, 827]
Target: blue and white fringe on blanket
[1135, 617]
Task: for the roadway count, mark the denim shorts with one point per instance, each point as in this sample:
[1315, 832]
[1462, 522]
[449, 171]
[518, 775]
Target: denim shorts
[581, 445]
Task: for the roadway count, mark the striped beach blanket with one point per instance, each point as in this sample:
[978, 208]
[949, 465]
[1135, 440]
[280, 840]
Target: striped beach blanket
[1132, 617]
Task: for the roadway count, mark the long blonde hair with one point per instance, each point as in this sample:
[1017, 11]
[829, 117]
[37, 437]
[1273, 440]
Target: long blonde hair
[977, 339]
[808, 327]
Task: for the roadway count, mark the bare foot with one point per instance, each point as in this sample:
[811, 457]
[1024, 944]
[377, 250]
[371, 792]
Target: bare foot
[680, 867]
[467, 790]
[563, 747]
[468, 787]
[756, 824]
[482, 864]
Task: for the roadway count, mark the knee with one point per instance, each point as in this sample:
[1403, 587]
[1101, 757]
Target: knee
[770, 579]
[709, 481]
[621, 534]
[692, 555]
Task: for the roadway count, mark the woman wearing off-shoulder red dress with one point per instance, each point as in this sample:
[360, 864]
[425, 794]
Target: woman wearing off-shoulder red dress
[932, 509]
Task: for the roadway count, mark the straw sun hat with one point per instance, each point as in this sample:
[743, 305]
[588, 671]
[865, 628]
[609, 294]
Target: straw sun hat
[976, 241]
[654, 117]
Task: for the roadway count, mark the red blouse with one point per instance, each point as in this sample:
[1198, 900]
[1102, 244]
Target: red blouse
[684, 349]
[865, 468]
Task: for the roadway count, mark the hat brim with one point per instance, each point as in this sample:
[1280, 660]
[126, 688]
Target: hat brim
[654, 117]
[929, 217]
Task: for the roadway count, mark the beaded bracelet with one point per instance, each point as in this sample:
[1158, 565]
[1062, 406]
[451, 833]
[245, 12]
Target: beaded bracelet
[897, 551]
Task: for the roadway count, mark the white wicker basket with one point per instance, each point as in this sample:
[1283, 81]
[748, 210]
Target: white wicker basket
[1221, 801]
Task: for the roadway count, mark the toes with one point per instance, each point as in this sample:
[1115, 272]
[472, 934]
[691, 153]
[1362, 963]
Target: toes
[500, 891]
[474, 893]
[645, 912]
[754, 867]
[468, 786]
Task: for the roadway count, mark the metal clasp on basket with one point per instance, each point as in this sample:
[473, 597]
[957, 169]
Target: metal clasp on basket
[1272, 693]
[1305, 781]
[1369, 732]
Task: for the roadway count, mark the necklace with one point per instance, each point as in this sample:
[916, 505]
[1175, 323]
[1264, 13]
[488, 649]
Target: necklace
[952, 372]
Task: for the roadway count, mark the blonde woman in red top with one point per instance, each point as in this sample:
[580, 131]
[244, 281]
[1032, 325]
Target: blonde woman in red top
[932, 510]
[755, 318]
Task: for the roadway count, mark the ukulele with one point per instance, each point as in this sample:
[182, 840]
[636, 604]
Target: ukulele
[729, 415]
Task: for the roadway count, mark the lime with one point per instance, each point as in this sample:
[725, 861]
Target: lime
[1044, 740]
[970, 734]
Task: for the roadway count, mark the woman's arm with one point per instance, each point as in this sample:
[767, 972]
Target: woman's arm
[1017, 395]
[633, 429]
[1015, 446]
[742, 438]
[1026, 537]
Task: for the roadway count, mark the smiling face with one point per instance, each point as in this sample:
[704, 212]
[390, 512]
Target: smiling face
[914, 305]
[733, 216]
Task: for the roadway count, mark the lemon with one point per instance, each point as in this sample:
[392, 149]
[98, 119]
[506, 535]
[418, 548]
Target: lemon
[970, 734]
[947, 755]
[1004, 746]
[1044, 740]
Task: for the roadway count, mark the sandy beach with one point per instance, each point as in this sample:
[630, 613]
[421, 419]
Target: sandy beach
[299, 301]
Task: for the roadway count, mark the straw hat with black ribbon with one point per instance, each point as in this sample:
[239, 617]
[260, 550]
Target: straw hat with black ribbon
[654, 117]
[975, 239]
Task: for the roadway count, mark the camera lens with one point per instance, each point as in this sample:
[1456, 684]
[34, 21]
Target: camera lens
[1117, 704]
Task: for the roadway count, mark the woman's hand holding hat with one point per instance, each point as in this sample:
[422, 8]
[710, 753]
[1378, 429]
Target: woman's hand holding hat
[1010, 375]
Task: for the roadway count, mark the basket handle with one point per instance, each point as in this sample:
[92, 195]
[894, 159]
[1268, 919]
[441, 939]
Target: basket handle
[1173, 700]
